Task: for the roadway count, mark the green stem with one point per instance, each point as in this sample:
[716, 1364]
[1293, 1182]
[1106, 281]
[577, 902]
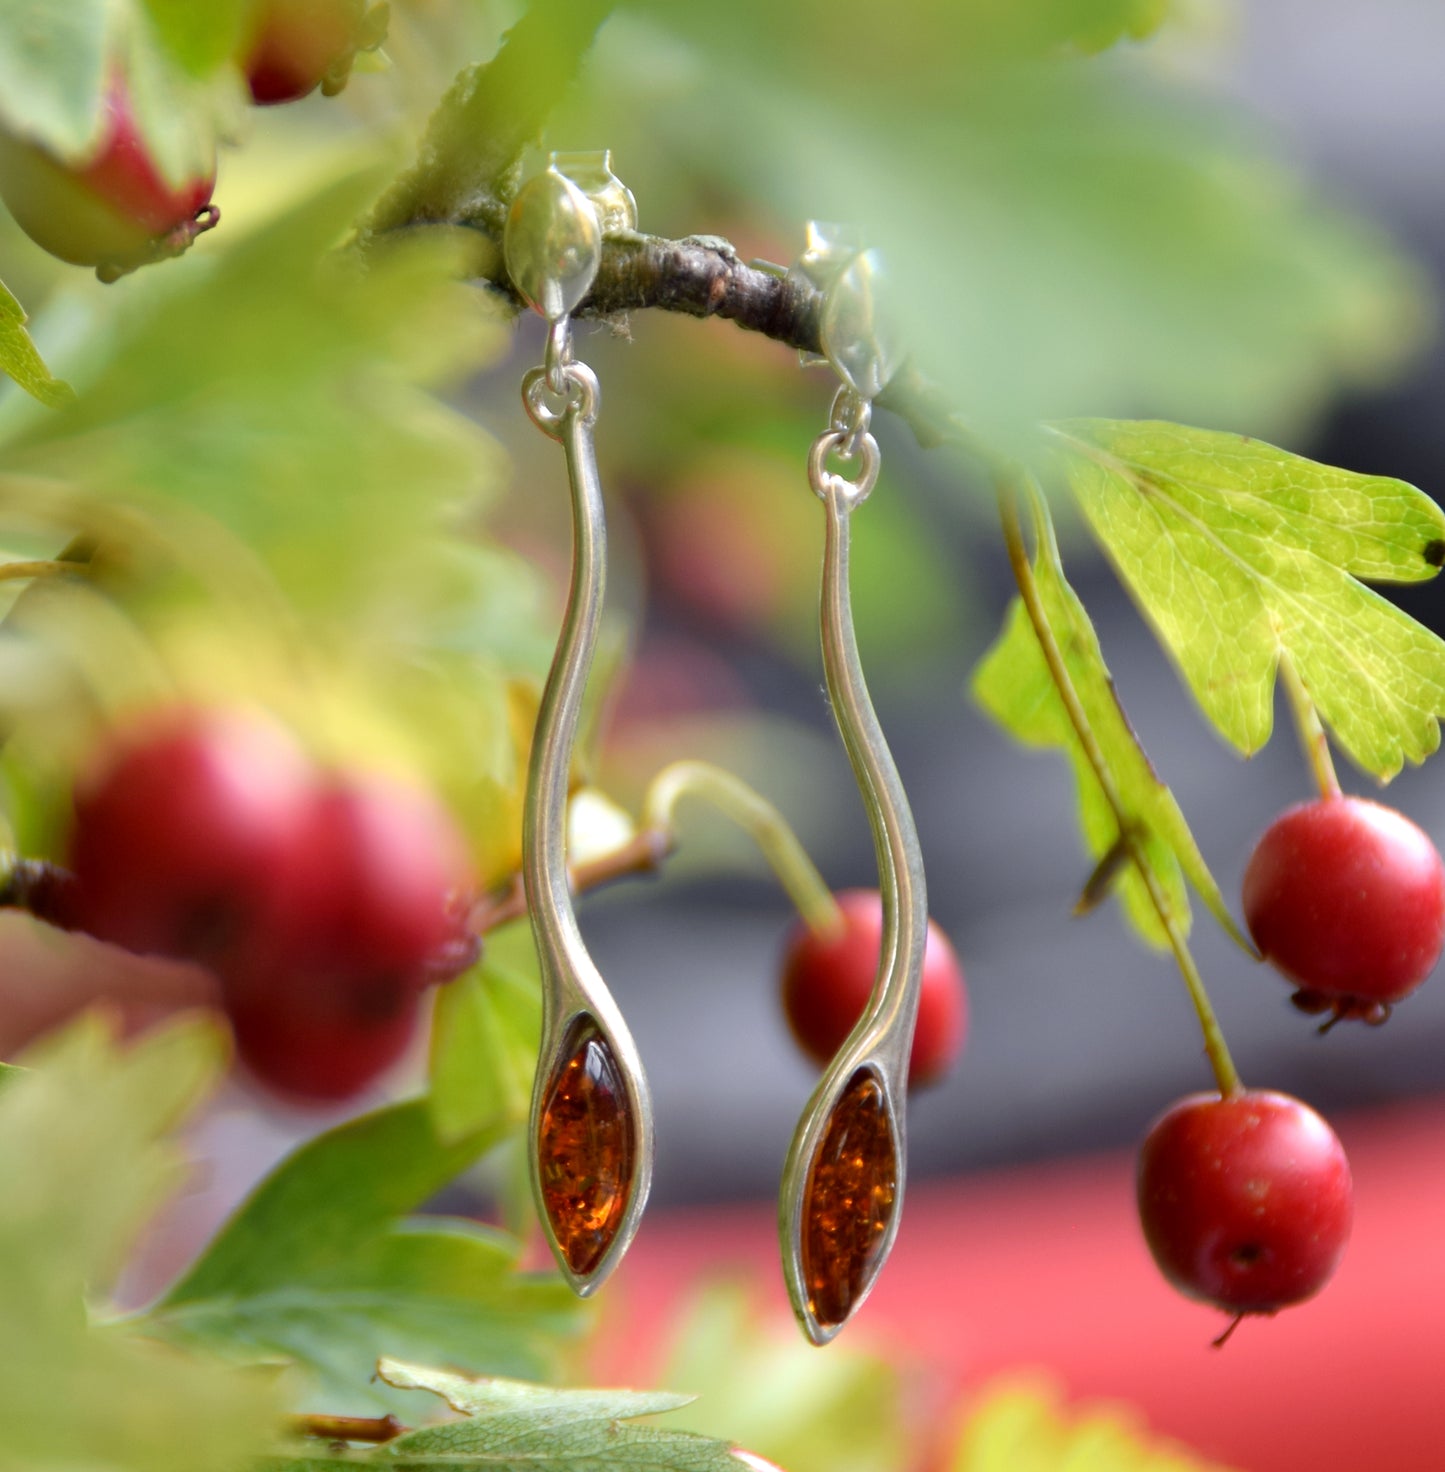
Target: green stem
[759, 819]
[490, 114]
[1312, 736]
[1215, 1048]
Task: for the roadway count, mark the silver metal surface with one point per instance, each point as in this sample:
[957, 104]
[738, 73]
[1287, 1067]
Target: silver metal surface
[854, 327]
[881, 1041]
[592, 173]
[573, 992]
[552, 244]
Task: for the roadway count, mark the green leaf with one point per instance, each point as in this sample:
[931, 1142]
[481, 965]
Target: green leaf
[1241, 554]
[319, 1267]
[514, 1427]
[199, 37]
[343, 1187]
[82, 1141]
[51, 69]
[1013, 683]
[486, 1027]
[980, 31]
[20, 358]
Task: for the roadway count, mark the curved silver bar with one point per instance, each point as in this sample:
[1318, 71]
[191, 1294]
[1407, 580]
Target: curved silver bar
[880, 1043]
[575, 1000]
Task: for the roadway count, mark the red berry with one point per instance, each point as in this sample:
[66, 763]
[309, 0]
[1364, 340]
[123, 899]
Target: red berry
[318, 1044]
[299, 45]
[827, 980]
[114, 212]
[325, 996]
[377, 902]
[184, 828]
[1347, 899]
[1245, 1200]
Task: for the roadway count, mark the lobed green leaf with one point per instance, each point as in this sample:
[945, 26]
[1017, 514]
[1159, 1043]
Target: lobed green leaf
[1241, 554]
[514, 1427]
[1014, 684]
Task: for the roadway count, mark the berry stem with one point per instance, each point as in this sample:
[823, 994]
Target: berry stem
[1215, 1048]
[760, 820]
[656, 837]
[1312, 736]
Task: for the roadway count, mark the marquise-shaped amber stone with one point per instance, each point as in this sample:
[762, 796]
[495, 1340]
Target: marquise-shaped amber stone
[586, 1150]
[848, 1201]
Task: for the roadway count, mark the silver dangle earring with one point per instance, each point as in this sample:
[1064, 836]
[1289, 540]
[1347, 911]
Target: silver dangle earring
[590, 1130]
[843, 1180]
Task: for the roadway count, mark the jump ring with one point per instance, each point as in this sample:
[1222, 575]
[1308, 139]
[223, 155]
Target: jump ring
[826, 482]
[579, 393]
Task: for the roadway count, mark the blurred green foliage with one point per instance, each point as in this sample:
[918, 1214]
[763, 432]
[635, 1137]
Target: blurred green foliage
[1023, 1427]
[85, 1141]
[844, 1411]
[1064, 235]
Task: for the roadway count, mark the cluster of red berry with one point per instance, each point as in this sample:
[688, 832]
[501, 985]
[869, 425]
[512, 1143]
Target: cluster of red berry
[1244, 1197]
[116, 210]
[325, 902]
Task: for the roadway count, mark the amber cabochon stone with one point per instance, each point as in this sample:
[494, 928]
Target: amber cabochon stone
[586, 1150]
[848, 1202]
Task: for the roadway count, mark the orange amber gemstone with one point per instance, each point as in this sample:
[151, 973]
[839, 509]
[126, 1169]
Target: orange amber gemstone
[852, 1184]
[585, 1150]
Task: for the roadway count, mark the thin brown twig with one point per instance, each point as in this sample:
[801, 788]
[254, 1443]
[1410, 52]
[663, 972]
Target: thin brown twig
[641, 854]
[373, 1429]
[41, 888]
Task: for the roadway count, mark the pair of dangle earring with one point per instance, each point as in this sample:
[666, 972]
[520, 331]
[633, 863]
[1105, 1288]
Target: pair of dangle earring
[591, 1126]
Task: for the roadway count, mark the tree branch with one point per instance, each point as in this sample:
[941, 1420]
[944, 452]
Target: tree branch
[465, 174]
